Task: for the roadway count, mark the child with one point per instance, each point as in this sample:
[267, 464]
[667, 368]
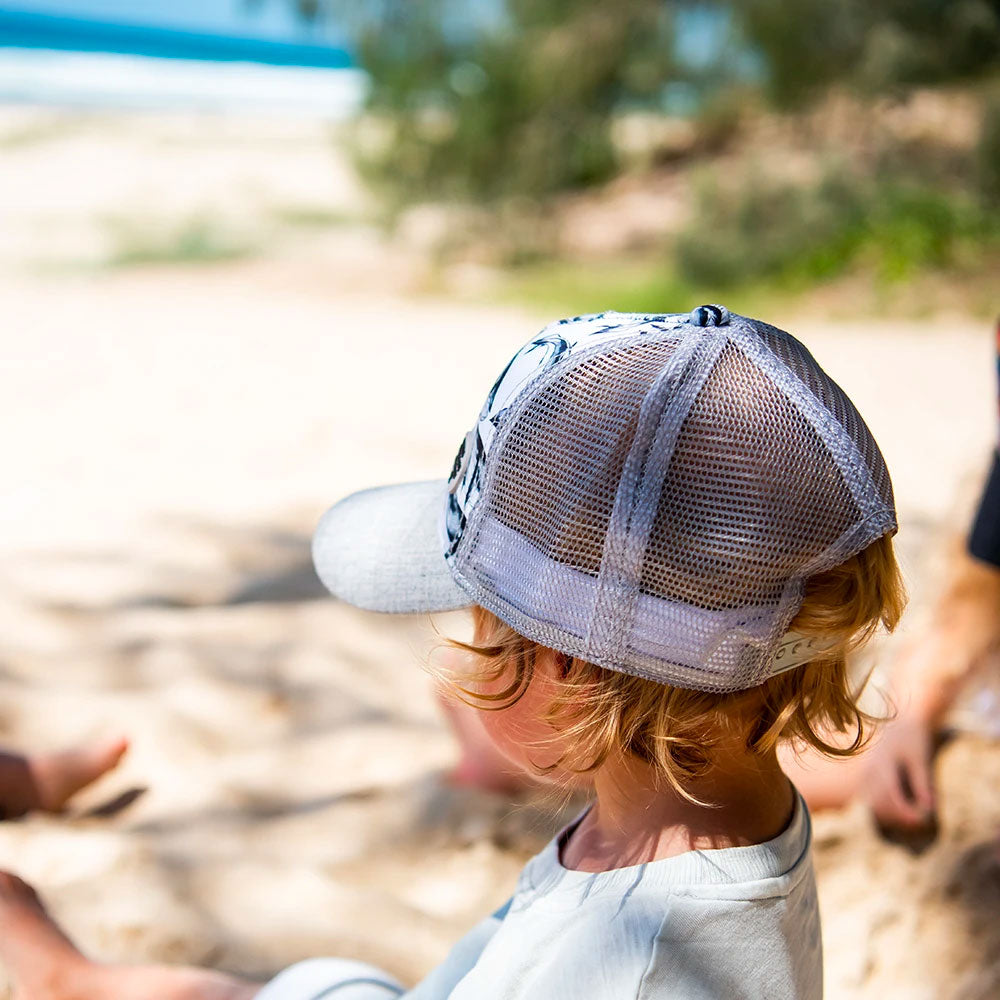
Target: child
[670, 529]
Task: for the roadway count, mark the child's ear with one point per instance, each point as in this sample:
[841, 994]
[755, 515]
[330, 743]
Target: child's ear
[552, 664]
[565, 663]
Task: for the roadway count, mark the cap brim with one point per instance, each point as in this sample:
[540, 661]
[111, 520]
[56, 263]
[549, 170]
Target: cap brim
[381, 549]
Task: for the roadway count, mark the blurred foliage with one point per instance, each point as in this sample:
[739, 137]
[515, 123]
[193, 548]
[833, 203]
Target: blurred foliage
[306, 216]
[520, 105]
[808, 45]
[196, 240]
[802, 234]
[988, 154]
[505, 103]
[495, 99]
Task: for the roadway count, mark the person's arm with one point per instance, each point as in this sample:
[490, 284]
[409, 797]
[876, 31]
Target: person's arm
[962, 631]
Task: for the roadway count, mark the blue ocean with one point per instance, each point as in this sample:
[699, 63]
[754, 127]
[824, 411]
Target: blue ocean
[214, 55]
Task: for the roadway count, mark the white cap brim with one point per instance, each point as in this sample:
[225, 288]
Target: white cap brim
[381, 549]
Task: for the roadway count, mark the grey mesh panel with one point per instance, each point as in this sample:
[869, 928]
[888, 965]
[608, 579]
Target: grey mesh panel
[654, 501]
[795, 356]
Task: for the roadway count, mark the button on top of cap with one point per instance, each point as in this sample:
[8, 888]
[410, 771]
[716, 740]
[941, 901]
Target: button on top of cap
[710, 316]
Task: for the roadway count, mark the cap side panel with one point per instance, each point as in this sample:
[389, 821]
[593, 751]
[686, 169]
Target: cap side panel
[552, 473]
[798, 358]
[483, 469]
[842, 447]
[535, 363]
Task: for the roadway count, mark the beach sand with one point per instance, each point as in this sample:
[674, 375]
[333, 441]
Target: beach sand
[173, 433]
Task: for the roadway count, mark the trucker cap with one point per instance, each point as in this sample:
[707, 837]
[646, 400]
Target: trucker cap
[647, 492]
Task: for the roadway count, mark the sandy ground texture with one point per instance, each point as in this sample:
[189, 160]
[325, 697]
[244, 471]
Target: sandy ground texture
[172, 434]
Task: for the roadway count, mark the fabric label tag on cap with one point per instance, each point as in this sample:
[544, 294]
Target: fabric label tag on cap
[796, 649]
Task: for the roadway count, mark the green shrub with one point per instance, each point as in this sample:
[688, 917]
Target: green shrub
[805, 46]
[516, 105]
[763, 230]
[195, 240]
[988, 154]
[486, 101]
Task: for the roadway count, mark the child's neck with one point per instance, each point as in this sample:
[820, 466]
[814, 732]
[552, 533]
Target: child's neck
[636, 820]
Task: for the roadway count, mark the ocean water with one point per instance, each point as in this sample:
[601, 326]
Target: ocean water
[216, 55]
[130, 82]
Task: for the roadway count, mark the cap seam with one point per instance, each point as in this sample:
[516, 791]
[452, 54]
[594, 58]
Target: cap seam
[615, 547]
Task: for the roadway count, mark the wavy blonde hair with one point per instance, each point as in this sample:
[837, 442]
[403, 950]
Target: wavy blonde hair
[599, 712]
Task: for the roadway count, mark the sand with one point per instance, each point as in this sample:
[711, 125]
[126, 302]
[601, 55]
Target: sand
[172, 435]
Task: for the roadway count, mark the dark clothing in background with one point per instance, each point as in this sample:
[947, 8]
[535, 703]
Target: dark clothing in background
[984, 541]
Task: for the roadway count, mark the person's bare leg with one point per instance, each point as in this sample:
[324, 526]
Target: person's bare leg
[45, 965]
[47, 781]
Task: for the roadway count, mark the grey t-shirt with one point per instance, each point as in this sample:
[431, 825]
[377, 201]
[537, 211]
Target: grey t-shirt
[739, 923]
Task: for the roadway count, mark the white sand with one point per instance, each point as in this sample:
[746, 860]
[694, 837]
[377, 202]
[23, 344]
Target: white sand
[171, 437]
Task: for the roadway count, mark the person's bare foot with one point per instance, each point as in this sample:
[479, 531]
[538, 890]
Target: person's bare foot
[59, 776]
[44, 964]
[47, 781]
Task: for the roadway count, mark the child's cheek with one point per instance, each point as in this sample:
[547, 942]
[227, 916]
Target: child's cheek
[502, 731]
[521, 736]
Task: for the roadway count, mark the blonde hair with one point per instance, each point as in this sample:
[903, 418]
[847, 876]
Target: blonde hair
[599, 712]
